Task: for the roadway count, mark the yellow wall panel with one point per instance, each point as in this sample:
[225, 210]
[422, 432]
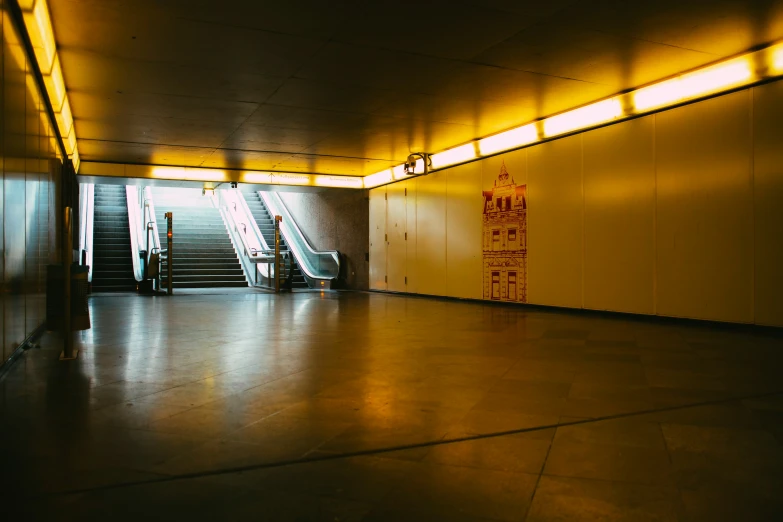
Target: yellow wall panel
[619, 184]
[377, 239]
[410, 211]
[705, 210]
[768, 194]
[396, 221]
[463, 231]
[431, 233]
[554, 214]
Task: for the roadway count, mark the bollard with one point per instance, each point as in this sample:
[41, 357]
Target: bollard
[67, 260]
[170, 248]
[278, 219]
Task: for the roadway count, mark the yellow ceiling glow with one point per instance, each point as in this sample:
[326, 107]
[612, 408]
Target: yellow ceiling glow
[738, 72]
[508, 140]
[189, 174]
[583, 117]
[453, 156]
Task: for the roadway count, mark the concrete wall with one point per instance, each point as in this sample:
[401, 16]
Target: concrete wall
[28, 166]
[678, 214]
[336, 219]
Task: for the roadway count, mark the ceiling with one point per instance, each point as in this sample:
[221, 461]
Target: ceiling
[352, 87]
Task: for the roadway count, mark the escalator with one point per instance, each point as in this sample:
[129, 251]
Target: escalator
[266, 225]
[204, 256]
[311, 268]
[112, 269]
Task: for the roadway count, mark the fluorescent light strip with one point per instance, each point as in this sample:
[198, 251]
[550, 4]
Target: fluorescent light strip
[508, 140]
[38, 23]
[453, 156]
[691, 85]
[583, 117]
[777, 58]
[379, 178]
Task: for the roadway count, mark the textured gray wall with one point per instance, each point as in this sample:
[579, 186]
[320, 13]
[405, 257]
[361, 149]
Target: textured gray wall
[336, 219]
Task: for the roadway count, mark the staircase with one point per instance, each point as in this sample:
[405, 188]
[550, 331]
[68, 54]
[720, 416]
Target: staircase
[266, 224]
[112, 269]
[204, 256]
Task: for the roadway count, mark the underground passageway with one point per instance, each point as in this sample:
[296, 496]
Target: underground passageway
[464, 261]
[356, 406]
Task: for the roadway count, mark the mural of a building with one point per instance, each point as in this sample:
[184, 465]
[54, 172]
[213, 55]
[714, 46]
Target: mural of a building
[505, 240]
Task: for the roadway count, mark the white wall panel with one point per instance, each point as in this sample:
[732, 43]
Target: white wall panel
[705, 210]
[377, 239]
[410, 212]
[396, 222]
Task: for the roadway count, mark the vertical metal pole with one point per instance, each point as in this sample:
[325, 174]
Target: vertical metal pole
[67, 259]
[278, 219]
[148, 227]
[170, 248]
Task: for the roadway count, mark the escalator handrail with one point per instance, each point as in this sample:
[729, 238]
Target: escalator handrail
[86, 223]
[289, 228]
[232, 204]
[148, 202]
[135, 226]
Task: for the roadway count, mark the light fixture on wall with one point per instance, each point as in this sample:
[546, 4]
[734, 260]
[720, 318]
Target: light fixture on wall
[417, 163]
[208, 190]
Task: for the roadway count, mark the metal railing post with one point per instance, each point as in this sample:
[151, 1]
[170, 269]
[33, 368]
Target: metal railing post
[67, 260]
[278, 219]
[170, 254]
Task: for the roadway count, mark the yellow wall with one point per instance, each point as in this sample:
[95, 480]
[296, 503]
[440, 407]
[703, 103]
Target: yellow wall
[678, 214]
[768, 197]
[555, 228]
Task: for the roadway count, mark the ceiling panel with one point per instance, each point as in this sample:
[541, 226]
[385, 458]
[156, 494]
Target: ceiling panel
[264, 138]
[124, 152]
[348, 84]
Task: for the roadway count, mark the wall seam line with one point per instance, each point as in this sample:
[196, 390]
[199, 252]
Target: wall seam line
[752, 96]
[582, 172]
[655, 213]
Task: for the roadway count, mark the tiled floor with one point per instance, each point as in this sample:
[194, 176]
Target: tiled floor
[350, 406]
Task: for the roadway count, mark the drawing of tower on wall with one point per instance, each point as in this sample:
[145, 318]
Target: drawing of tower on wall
[505, 240]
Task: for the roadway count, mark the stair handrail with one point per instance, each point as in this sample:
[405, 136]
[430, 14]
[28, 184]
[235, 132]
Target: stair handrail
[86, 223]
[133, 197]
[306, 256]
[150, 220]
[254, 249]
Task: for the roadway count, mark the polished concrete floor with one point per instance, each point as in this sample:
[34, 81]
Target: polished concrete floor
[352, 406]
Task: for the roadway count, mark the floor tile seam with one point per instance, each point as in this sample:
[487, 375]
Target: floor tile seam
[369, 452]
[540, 474]
[668, 483]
